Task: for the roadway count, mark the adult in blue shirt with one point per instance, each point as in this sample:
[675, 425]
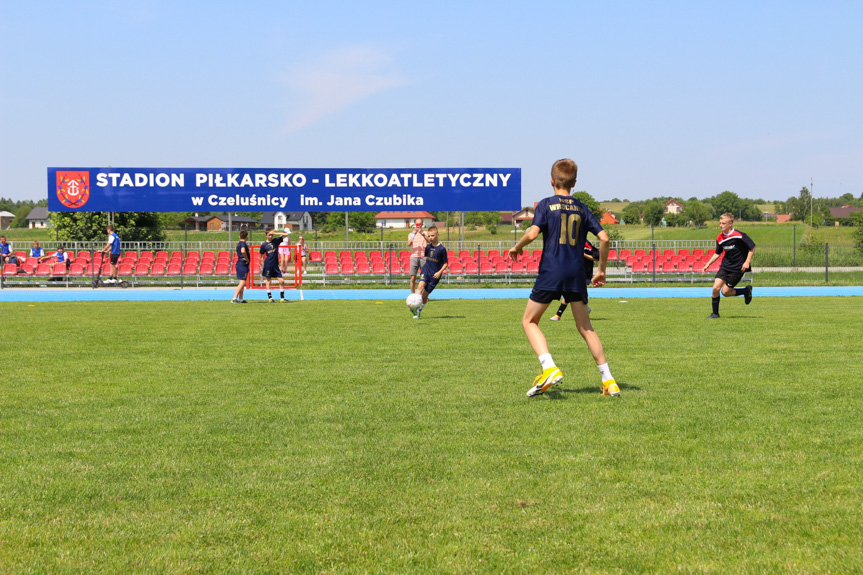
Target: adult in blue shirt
[563, 222]
[112, 247]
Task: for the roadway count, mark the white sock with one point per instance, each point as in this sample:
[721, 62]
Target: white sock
[546, 361]
[605, 372]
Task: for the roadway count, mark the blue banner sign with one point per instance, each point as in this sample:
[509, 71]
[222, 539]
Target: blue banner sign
[257, 190]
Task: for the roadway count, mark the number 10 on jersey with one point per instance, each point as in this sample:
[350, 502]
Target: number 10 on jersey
[569, 228]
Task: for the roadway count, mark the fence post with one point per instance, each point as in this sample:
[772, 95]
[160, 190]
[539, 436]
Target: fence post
[478, 265]
[826, 262]
[794, 263]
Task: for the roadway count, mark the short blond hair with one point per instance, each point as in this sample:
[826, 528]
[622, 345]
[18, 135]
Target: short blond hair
[727, 216]
[563, 174]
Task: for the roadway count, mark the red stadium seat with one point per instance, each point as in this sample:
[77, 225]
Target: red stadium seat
[142, 269]
[378, 268]
[158, 269]
[223, 269]
[125, 270]
[43, 270]
[173, 270]
[10, 269]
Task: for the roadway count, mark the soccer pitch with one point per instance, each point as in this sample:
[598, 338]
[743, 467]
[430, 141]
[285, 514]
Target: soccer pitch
[345, 437]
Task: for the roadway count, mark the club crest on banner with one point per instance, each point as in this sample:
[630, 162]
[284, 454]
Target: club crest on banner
[73, 188]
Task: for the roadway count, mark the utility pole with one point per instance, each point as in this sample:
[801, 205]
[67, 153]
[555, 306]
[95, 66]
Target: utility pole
[811, 195]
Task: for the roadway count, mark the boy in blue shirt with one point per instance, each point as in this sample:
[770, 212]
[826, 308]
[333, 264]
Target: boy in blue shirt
[270, 265]
[5, 251]
[435, 265]
[243, 260]
[564, 223]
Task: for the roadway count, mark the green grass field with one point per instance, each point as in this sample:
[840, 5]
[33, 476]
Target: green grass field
[344, 437]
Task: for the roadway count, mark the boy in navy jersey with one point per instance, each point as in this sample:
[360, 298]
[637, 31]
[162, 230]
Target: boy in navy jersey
[591, 254]
[564, 223]
[243, 259]
[270, 265]
[435, 265]
[738, 249]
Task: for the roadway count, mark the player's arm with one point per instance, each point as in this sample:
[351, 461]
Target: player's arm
[442, 269]
[604, 243]
[712, 259]
[748, 260]
[530, 235]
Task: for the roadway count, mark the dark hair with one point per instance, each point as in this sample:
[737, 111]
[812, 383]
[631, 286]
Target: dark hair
[244, 234]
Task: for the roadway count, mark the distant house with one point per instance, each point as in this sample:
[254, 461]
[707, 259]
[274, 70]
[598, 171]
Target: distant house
[783, 218]
[844, 211]
[38, 218]
[672, 206]
[300, 221]
[6, 220]
[219, 223]
[608, 218]
[517, 218]
[402, 219]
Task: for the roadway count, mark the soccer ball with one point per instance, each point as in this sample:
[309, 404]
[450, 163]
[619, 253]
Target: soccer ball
[414, 301]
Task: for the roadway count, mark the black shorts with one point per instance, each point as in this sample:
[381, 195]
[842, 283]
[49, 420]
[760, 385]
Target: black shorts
[431, 282]
[271, 273]
[242, 272]
[548, 296]
[731, 278]
[114, 259]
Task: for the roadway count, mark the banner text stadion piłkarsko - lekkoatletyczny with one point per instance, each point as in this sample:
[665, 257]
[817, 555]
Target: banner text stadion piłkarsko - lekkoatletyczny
[255, 190]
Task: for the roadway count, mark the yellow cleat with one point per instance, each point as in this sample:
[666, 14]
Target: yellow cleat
[610, 388]
[548, 377]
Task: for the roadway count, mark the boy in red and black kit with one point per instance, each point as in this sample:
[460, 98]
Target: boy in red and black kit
[738, 249]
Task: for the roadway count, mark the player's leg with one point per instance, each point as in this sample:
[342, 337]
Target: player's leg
[414, 270]
[268, 284]
[282, 289]
[581, 315]
[560, 310]
[533, 312]
[718, 288]
[730, 289]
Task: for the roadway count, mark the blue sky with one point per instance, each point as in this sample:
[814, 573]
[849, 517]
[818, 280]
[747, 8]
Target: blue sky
[650, 98]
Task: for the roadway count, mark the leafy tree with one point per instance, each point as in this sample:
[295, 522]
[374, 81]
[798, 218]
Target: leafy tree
[21, 214]
[588, 201]
[363, 222]
[632, 214]
[801, 206]
[697, 212]
[726, 202]
[676, 220]
[90, 226]
[614, 233]
[481, 218]
[653, 213]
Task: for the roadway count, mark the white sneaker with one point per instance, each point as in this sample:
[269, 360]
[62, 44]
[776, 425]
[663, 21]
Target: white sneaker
[555, 317]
